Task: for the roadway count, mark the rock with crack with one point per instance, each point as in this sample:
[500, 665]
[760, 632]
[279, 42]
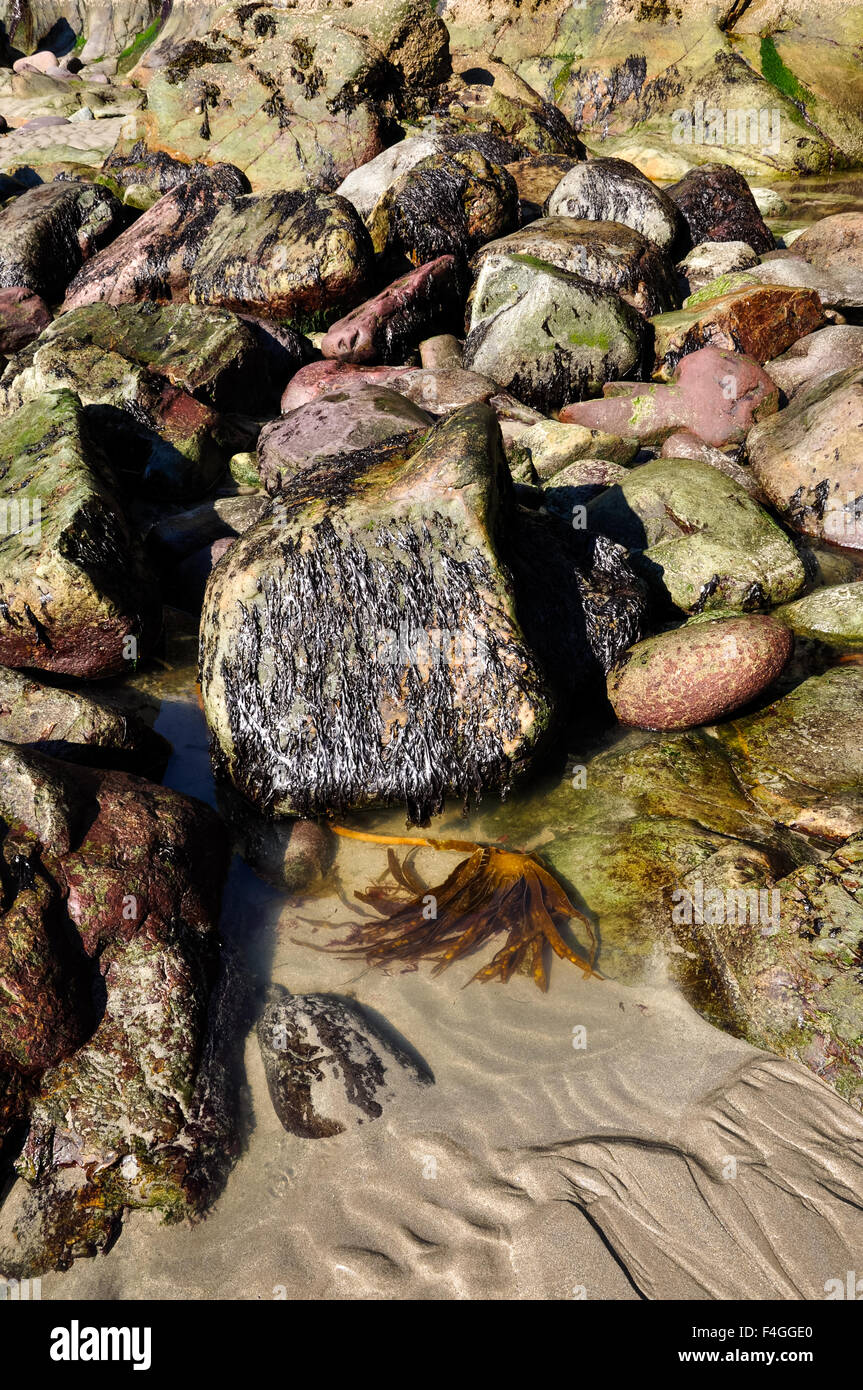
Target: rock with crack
[74, 595]
[329, 1068]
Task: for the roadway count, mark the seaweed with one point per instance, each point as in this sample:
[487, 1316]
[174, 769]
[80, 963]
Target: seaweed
[492, 891]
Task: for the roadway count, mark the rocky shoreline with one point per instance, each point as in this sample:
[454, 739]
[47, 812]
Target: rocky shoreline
[492, 461]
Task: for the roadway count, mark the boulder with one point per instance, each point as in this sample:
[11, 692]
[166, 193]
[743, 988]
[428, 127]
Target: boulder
[716, 204]
[332, 426]
[698, 538]
[390, 326]
[23, 315]
[153, 258]
[833, 615]
[833, 242]
[610, 190]
[438, 390]
[715, 394]
[836, 348]
[761, 321]
[47, 234]
[74, 597]
[698, 673]
[607, 254]
[710, 260]
[809, 460]
[546, 335]
[282, 255]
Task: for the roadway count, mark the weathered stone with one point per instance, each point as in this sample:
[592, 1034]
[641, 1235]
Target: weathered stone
[448, 204]
[437, 390]
[760, 321]
[333, 425]
[76, 727]
[699, 538]
[329, 1068]
[699, 672]
[683, 444]
[809, 460]
[282, 255]
[709, 260]
[715, 394]
[546, 335]
[833, 241]
[836, 348]
[610, 190]
[23, 315]
[73, 595]
[536, 178]
[551, 447]
[47, 233]
[389, 327]
[717, 205]
[442, 352]
[607, 254]
[833, 615]
[154, 257]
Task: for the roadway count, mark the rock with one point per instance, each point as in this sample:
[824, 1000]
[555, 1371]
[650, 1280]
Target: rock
[699, 672]
[155, 170]
[76, 727]
[42, 61]
[329, 1068]
[74, 598]
[683, 444]
[441, 352]
[567, 492]
[710, 260]
[437, 390]
[717, 205]
[47, 233]
[836, 348]
[760, 321]
[289, 854]
[607, 254]
[494, 100]
[154, 380]
[365, 185]
[23, 315]
[138, 1115]
[551, 447]
[536, 178]
[282, 255]
[834, 242]
[809, 460]
[334, 425]
[448, 204]
[610, 190]
[243, 468]
[181, 534]
[838, 288]
[833, 615]
[371, 615]
[522, 332]
[700, 540]
[715, 394]
[772, 755]
[153, 258]
[389, 327]
[768, 202]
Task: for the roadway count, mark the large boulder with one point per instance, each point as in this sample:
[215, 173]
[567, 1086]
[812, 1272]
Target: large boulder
[836, 348]
[547, 335]
[282, 255]
[389, 327]
[47, 233]
[608, 254]
[74, 597]
[154, 257]
[761, 321]
[360, 646]
[716, 204]
[809, 460]
[699, 538]
[611, 190]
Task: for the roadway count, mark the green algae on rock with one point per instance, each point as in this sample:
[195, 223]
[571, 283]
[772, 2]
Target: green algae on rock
[74, 597]
[833, 615]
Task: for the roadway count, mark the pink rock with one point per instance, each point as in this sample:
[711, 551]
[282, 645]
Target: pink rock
[388, 327]
[319, 378]
[716, 394]
[683, 444]
[23, 315]
[43, 61]
[438, 390]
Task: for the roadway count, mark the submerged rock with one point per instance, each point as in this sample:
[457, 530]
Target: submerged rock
[699, 538]
[546, 335]
[282, 255]
[74, 597]
[698, 672]
[611, 190]
[329, 1068]
[48, 232]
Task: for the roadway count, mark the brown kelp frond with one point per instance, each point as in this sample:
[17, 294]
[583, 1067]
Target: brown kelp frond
[492, 892]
